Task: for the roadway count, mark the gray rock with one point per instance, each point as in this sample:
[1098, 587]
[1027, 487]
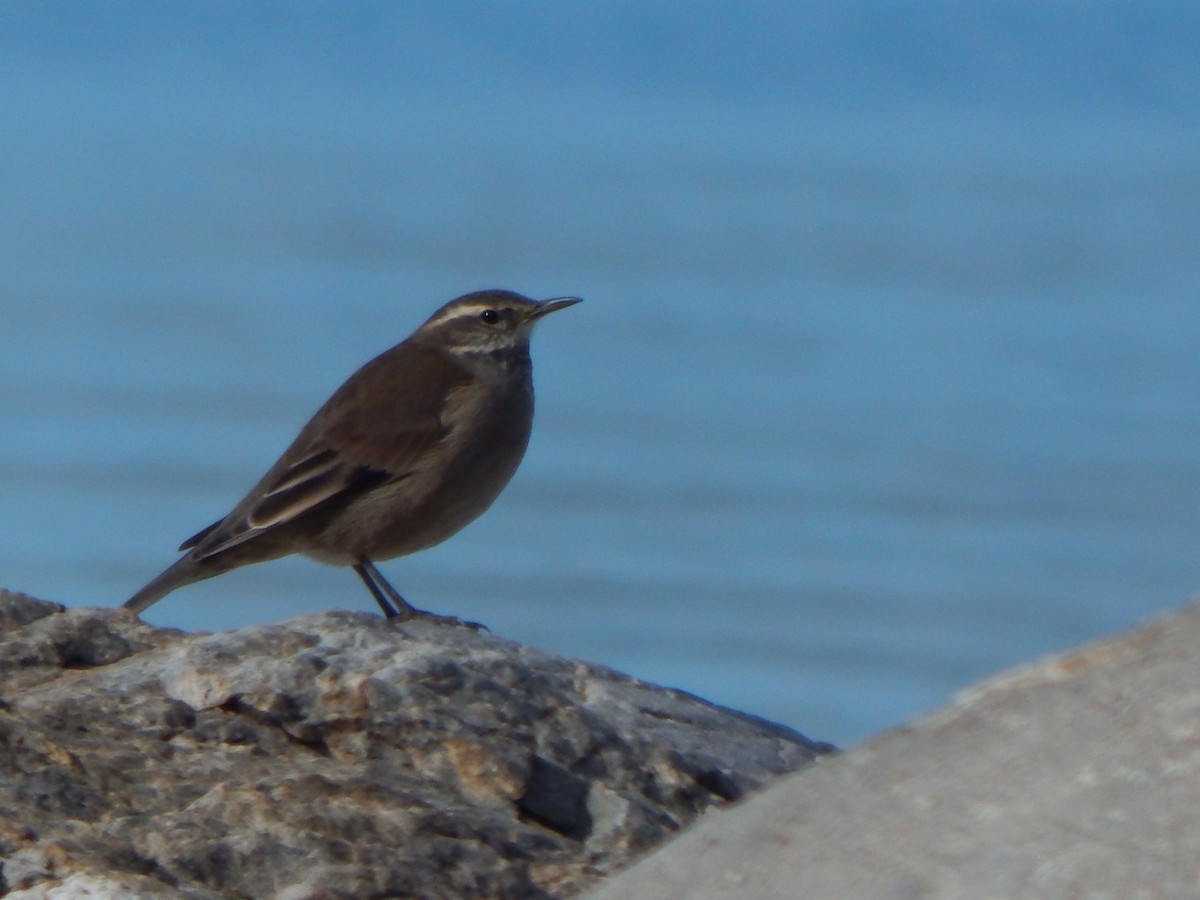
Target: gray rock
[339, 755]
[1076, 776]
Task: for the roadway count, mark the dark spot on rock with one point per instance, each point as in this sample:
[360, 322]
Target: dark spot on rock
[556, 799]
[239, 732]
[711, 782]
[319, 663]
[310, 735]
[92, 644]
[178, 716]
[720, 783]
[444, 677]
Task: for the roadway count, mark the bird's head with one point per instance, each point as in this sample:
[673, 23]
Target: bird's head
[487, 322]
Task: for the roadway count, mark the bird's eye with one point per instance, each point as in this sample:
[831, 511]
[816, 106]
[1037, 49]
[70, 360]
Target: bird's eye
[489, 317]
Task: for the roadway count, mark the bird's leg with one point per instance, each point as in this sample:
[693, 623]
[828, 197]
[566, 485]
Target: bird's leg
[383, 592]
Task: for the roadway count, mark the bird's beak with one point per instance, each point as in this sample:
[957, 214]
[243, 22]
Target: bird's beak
[545, 307]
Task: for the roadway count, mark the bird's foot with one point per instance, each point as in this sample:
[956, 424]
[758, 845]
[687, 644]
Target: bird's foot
[454, 621]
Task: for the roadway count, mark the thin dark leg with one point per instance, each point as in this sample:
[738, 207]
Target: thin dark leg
[381, 590]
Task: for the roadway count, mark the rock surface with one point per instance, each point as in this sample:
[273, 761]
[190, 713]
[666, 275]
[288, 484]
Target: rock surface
[1076, 776]
[339, 755]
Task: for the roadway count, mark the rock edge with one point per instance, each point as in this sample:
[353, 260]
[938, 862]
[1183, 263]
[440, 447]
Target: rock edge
[1074, 776]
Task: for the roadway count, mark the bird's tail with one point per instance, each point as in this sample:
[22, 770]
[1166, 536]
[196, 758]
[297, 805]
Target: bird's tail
[184, 571]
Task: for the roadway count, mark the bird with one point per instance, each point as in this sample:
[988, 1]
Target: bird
[411, 448]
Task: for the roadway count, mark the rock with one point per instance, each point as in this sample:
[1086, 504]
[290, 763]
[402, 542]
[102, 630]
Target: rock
[341, 755]
[1075, 776]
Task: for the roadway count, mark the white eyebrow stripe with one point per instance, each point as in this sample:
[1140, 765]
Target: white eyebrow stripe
[459, 312]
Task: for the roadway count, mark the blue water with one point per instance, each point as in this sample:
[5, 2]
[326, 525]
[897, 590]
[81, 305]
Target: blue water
[886, 378]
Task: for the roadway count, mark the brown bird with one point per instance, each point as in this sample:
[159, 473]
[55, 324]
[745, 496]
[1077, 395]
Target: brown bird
[416, 444]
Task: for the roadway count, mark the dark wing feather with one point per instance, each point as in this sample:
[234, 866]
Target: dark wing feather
[200, 535]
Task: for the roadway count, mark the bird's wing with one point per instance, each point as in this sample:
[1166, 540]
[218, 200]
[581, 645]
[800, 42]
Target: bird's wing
[308, 484]
[379, 427]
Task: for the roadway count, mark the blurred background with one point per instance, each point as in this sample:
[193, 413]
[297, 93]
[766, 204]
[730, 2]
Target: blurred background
[887, 376]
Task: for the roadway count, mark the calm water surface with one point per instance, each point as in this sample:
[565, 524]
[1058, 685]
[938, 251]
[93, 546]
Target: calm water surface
[869, 398]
